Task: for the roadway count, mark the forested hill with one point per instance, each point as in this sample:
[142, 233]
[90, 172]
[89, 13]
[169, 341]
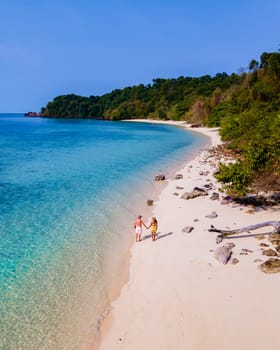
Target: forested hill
[163, 99]
[246, 106]
[205, 99]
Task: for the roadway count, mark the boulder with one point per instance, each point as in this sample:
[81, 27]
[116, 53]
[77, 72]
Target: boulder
[213, 215]
[188, 229]
[223, 254]
[264, 245]
[204, 173]
[274, 238]
[208, 186]
[272, 265]
[215, 196]
[197, 192]
[227, 200]
[160, 177]
[275, 241]
[269, 252]
[195, 125]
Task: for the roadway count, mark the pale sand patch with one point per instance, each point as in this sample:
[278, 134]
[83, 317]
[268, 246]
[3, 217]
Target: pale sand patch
[178, 295]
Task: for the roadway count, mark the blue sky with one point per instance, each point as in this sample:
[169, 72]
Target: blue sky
[88, 47]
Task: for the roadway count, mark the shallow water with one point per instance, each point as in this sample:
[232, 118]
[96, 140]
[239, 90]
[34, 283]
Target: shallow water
[69, 191]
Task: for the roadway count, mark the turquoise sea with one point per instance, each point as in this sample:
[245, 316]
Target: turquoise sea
[69, 192]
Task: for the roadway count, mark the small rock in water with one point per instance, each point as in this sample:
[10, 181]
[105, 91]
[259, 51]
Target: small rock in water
[160, 177]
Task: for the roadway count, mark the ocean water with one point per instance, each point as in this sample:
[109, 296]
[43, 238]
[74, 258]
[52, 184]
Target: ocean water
[69, 192]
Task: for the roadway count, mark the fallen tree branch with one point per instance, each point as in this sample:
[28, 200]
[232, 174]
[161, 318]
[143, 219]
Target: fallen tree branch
[225, 233]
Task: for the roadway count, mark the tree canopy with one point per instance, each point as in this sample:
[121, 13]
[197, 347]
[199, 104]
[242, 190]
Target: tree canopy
[245, 106]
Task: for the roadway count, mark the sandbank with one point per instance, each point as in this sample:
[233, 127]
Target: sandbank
[178, 296]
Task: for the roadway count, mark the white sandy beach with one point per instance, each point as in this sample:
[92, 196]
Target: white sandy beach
[178, 295]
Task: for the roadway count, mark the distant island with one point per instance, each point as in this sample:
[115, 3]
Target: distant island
[32, 114]
[245, 106]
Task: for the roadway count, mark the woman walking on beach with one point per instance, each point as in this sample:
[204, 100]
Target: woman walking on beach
[138, 227]
[154, 227]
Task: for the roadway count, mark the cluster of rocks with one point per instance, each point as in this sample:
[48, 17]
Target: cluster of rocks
[272, 265]
[224, 253]
[270, 249]
[222, 152]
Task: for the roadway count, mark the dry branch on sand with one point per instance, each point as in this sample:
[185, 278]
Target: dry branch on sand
[225, 233]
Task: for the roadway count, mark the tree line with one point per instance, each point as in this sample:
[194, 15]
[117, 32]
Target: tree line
[245, 106]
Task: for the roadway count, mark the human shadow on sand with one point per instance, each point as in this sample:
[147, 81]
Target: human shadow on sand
[159, 236]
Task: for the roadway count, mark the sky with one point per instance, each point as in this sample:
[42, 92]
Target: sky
[91, 47]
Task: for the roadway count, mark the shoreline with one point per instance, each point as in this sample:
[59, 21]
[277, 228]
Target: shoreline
[177, 294]
[152, 190]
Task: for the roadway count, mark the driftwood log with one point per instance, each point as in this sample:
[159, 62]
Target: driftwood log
[225, 233]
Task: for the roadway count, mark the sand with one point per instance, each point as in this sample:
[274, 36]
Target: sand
[178, 295]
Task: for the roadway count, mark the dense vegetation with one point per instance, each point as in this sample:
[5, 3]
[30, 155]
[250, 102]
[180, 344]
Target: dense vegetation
[245, 106]
[177, 99]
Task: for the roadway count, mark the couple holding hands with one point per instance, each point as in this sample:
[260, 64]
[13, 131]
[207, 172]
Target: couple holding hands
[138, 227]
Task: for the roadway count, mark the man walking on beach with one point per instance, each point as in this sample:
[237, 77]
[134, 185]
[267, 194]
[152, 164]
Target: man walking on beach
[138, 227]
